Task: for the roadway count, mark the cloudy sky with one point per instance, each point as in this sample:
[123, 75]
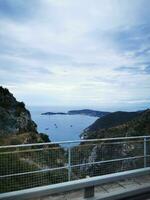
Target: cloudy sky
[89, 53]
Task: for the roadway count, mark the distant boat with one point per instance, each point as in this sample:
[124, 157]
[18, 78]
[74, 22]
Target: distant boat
[47, 129]
[70, 125]
[55, 125]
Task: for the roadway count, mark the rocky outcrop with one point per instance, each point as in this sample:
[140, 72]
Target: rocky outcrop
[16, 125]
[14, 117]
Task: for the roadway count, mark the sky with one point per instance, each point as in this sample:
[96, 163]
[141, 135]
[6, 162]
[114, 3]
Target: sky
[87, 53]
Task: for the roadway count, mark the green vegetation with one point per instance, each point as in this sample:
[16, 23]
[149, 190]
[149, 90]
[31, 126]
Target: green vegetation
[17, 127]
[30, 161]
[14, 117]
[120, 124]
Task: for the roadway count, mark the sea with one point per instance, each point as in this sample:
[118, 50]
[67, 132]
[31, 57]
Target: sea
[60, 127]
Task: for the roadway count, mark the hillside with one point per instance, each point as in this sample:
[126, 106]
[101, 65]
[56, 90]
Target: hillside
[88, 112]
[120, 124]
[16, 125]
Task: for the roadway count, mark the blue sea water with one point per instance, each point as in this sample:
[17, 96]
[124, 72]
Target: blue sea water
[68, 127]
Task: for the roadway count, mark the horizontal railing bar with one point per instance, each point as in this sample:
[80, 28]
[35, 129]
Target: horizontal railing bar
[75, 141]
[72, 166]
[38, 192]
[109, 143]
[34, 172]
[30, 150]
[107, 161]
[57, 148]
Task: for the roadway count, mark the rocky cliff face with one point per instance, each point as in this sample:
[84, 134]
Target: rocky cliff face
[14, 117]
[16, 125]
[119, 124]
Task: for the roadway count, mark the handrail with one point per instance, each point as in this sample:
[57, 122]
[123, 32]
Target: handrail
[72, 185]
[75, 141]
[72, 166]
[92, 157]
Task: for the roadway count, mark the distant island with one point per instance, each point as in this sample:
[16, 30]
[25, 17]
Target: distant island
[54, 113]
[93, 113]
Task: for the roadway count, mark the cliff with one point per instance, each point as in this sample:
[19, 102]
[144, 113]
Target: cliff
[118, 124]
[16, 125]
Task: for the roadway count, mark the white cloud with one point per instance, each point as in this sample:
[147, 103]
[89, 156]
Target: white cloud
[68, 53]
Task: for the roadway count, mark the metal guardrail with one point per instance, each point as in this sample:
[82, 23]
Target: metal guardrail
[33, 165]
[39, 192]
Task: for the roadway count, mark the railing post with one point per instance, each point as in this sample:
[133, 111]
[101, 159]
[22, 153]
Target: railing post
[88, 192]
[69, 163]
[145, 152]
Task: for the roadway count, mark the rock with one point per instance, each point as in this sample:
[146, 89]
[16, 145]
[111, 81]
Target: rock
[14, 117]
[16, 125]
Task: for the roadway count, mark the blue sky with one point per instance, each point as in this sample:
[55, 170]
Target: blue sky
[78, 53]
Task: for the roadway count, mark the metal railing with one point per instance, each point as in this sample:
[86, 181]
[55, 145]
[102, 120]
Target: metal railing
[32, 165]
